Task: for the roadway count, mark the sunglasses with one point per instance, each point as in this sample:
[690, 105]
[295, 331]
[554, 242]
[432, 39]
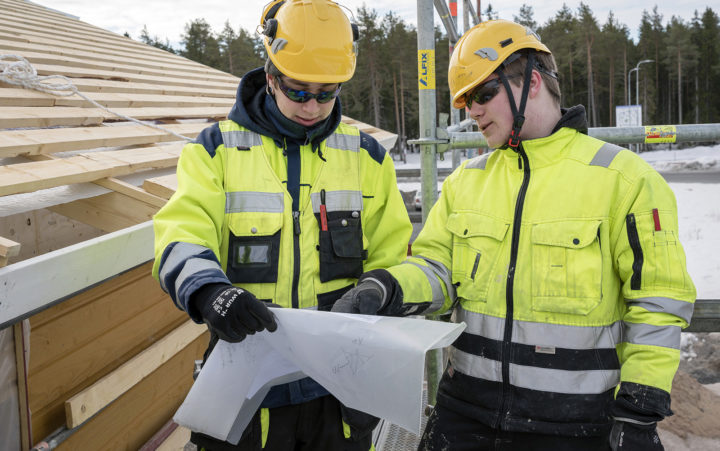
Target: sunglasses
[299, 96]
[485, 92]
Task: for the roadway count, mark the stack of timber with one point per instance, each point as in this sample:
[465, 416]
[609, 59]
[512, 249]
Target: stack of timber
[103, 358]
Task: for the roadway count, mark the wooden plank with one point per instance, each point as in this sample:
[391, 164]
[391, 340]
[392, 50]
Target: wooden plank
[108, 212]
[12, 117]
[54, 69]
[46, 141]
[132, 419]
[164, 186]
[28, 177]
[21, 97]
[176, 441]
[41, 46]
[9, 248]
[78, 341]
[94, 398]
[21, 366]
[71, 269]
[49, 59]
[131, 191]
[87, 85]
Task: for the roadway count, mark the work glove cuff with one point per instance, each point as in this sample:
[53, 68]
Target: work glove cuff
[202, 298]
[392, 293]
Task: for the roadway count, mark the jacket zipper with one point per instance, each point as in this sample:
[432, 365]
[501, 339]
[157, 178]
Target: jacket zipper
[296, 258]
[507, 338]
[636, 279]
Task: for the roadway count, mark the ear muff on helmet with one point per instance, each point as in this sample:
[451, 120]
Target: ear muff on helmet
[295, 45]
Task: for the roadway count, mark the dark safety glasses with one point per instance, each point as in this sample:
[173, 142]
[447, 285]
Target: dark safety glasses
[485, 92]
[299, 96]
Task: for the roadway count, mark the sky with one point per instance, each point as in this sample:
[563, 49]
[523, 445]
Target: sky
[166, 19]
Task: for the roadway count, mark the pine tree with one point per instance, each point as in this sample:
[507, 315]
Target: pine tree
[200, 43]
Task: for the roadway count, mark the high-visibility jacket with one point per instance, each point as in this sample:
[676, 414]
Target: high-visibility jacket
[231, 219]
[564, 261]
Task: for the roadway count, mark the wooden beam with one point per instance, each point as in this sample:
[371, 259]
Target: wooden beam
[176, 440]
[21, 366]
[91, 400]
[28, 177]
[131, 191]
[44, 141]
[8, 248]
[108, 212]
[164, 186]
[14, 117]
[71, 269]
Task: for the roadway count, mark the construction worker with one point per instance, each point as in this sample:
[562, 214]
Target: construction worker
[283, 204]
[560, 252]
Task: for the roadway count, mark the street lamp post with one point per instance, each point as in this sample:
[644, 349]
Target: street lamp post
[637, 79]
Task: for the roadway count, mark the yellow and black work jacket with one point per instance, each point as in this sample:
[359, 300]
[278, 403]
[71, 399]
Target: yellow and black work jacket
[231, 219]
[563, 260]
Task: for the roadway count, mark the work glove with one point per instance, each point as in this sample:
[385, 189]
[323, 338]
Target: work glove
[232, 313]
[632, 436]
[371, 294]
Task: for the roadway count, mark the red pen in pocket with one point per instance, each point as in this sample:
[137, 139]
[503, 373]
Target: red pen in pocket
[323, 211]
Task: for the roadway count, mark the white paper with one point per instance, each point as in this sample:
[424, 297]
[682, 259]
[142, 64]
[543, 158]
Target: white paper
[370, 363]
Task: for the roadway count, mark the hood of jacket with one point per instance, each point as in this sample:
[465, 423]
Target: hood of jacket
[257, 110]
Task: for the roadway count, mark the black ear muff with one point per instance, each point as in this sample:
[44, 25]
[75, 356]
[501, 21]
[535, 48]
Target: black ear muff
[270, 28]
[356, 31]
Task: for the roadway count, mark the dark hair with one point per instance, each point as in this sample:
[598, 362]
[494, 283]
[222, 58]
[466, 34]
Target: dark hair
[546, 63]
[271, 69]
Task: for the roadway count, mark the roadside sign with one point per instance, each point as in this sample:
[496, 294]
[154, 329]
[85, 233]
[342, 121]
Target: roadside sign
[628, 115]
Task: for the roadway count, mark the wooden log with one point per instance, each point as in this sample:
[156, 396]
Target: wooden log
[164, 186]
[8, 248]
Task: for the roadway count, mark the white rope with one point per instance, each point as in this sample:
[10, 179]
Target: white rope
[21, 73]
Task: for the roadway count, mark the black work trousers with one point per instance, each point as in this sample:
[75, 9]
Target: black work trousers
[447, 430]
[315, 425]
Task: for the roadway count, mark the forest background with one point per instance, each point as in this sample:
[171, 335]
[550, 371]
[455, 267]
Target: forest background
[680, 86]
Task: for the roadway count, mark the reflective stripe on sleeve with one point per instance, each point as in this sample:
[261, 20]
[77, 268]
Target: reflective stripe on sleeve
[444, 274]
[438, 298]
[178, 255]
[605, 155]
[646, 334]
[680, 309]
[192, 267]
[251, 201]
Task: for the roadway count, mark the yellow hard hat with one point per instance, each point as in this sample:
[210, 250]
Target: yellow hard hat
[310, 40]
[482, 49]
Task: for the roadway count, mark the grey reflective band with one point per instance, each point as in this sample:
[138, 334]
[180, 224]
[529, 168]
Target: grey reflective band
[681, 309]
[252, 201]
[338, 201]
[605, 155]
[179, 253]
[478, 162]
[238, 138]
[193, 266]
[443, 273]
[343, 142]
[438, 298]
[645, 334]
[542, 334]
[534, 378]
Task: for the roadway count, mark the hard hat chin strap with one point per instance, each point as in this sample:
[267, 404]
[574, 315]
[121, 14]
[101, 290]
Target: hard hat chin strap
[518, 114]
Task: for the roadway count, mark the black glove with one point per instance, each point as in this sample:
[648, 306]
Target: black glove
[627, 436]
[371, 294]
[232, 313]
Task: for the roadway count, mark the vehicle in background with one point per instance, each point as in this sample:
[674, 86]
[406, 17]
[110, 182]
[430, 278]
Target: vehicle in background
[417, 201]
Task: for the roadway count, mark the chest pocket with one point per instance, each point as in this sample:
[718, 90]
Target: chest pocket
[566, 267]
[477, 241]
[341, 246]
[254, 247]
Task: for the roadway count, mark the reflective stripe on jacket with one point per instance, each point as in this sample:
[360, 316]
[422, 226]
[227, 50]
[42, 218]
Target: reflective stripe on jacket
[231, 218]
[566, 266]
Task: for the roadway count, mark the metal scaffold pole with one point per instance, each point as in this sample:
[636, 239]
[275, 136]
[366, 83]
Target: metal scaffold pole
[428, 141]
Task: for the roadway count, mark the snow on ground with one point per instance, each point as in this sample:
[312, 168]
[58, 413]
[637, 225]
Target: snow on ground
[698, 208]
